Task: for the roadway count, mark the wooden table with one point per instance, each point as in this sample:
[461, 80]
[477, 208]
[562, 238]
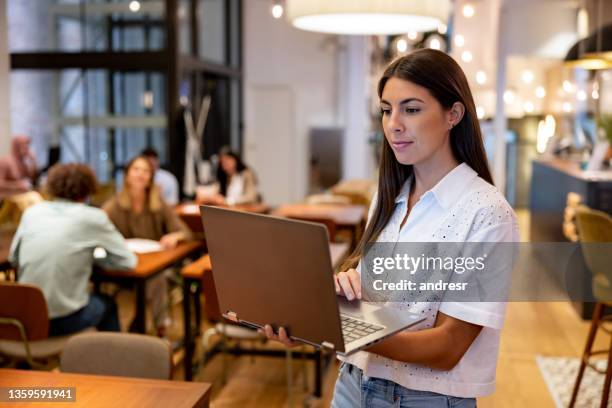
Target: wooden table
[194, 275]
[105, 391]
[149, 265]
[349, 217]
[190, 213]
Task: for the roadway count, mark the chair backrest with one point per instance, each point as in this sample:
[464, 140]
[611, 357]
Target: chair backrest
[328, 222]
[117, 354]
[211, 306]
[595, 227]
[26, 304]
[104, 192]
[14, 206]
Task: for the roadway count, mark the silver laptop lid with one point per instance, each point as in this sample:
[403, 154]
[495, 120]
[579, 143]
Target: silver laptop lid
[274, 270]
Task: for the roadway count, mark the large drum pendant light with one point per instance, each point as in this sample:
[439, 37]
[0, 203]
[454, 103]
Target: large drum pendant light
[368, 17]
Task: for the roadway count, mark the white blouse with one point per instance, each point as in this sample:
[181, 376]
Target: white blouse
[462, 207]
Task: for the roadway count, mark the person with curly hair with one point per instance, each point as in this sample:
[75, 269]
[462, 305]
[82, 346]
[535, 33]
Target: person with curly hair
[53, 249]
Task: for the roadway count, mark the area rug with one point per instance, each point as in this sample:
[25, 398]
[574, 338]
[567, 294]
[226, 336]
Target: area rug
[560, 374]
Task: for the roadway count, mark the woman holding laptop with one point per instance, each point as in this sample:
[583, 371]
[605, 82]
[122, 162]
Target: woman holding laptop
[434, 185]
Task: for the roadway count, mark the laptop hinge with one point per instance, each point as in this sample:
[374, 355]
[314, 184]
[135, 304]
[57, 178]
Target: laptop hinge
[328, 345]
[231, 316]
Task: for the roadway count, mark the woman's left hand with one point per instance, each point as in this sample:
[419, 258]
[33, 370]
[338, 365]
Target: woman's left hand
[170, 241]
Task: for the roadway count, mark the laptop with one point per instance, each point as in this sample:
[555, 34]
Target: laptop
[277, 271]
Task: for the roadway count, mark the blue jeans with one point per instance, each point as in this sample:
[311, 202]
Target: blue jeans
[353, 389]
[101, 312]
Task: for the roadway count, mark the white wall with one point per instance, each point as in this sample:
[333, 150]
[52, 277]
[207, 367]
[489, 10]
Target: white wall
[304, 64]
[5, 125]
[353, 73]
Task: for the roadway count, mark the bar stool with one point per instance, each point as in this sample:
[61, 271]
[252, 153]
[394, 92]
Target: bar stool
[596, 227]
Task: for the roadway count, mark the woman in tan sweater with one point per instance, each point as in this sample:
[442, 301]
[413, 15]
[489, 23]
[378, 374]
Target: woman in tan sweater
[139, 211]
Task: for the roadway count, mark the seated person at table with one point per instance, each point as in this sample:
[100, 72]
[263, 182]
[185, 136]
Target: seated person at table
[163, 178]
[18, 168]
[139, 211]
[237, 183]
[53, 249]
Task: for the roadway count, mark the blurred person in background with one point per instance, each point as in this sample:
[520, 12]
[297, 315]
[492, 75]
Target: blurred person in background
[139, 211]
[53, 249]
[237, 183]
[18, 168]
[163, 178]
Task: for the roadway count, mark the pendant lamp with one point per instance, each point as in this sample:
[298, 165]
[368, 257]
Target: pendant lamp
[368, 17]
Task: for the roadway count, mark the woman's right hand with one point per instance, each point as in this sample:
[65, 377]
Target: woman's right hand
[348, 283]
[281, 336]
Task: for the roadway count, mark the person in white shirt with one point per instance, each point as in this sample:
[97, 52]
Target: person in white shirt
[236, 182]
[166, 181]
[53, 249]
[434, 185]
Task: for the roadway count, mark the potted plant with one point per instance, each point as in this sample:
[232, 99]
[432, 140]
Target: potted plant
[604, 123]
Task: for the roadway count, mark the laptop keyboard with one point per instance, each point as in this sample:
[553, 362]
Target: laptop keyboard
[354, 329]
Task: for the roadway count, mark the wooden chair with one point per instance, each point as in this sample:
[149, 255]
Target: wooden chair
[328, 222]
[118, 354]
[24, 326]
[327, 198]
[12, 208]
[221, 327]
[103, 193]
[596, 227]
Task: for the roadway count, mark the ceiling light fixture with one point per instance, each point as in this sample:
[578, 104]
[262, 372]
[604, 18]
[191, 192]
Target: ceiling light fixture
[527, 76]
[134, 6]
[401, 45]
[368, 17]
[466, 56]
[277, 10]
[468, 11]
[567, 107]
[459, 40]
[434, 43]
[481, 77]
[595, 51]
[540, 92]
[480, 112]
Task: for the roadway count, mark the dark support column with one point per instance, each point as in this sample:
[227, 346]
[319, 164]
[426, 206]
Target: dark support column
[188, 341]
[318, 373]
[176, 148]
[139, 324]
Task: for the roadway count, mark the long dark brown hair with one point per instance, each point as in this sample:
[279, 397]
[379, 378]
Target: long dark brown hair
[443, 78]
[222, 176]
[153, 195]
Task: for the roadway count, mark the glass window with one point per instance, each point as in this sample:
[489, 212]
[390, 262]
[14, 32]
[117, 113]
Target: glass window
[89, 25]
[184, 27]
[212, 41]
[234, 33]
[98, 117]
